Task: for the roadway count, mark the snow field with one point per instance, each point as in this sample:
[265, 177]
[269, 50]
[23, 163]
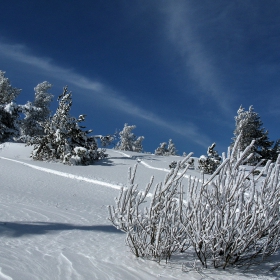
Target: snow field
[54, 222]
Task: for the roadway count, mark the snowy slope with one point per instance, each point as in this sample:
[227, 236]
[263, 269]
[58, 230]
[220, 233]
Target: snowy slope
[54, 223]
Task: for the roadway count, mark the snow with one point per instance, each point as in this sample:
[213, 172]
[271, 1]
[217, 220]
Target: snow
[10, 107]
[54, 222]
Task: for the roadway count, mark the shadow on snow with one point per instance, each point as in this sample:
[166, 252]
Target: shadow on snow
[18, 229]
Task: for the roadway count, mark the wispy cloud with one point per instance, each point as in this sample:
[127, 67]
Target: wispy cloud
[103, 93]
[181, 32]
[21, 54]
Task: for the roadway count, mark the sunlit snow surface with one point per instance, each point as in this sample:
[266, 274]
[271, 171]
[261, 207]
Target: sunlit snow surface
[54, 223]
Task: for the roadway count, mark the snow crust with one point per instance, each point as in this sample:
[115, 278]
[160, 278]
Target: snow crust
[54, 221]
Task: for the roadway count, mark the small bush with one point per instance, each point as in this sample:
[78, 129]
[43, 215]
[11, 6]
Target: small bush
[228, 220]
[155, 231]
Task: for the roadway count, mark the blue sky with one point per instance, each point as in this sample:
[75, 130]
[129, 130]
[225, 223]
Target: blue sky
[175, 69]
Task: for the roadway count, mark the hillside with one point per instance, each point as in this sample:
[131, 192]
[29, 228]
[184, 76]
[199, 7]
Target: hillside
[54, 221]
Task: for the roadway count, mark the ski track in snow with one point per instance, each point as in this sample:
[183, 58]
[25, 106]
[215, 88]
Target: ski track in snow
[155, 168]
[122, 153]
[67, 175]
[149, 166]
[80, 178]
[93, 181]
[85, 179]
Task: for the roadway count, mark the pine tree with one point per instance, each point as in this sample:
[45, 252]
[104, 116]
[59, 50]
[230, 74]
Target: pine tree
[39, 113]
[166, 150]
[171, 148]
[162, 149]
[9, 112]
[249, 125]
[210, 163]
[64, 139]
[8, 94]
[128, 141]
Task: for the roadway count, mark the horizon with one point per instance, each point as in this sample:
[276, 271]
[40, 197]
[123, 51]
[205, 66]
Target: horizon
[177, 70]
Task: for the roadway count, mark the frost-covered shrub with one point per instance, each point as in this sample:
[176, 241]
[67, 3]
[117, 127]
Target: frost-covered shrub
[232, 219]
[128, 141]
[210, 163]
[64, 140]
[155, 231]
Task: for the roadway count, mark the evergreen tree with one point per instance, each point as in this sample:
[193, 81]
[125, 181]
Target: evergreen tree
[210, 163]
[8, 94]
[162, 149]
[166, 150]
[128, 141]
[64, 139]
[40, 112]
[171, 148]
[9, 111]
[249, 125]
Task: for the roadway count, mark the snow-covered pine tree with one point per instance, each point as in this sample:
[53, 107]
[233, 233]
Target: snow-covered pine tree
[8, 93]
[166, 150]
[9, 113]
[40, 112]
[64, 139]
[162, 149]
[249, 125]
[171, 148]
[128, 141]
[210, 163]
